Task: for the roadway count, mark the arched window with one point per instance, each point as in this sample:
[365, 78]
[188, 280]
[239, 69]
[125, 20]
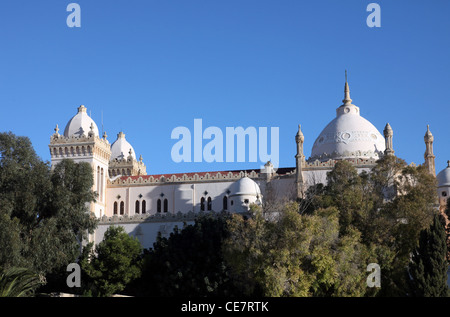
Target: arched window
[101, 185]
[202, 204]
[136, 209]
[158, 205]
[166, 205]
[225, 203]
[98, 180]
[122, 207]
[115, 207]
[144, 205]
[209, 203]
[444, 194]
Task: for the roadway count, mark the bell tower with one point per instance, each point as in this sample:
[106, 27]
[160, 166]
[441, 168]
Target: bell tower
[82, 143]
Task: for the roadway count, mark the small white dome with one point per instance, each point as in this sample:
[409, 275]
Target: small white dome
[245, 186]
[80, 124]
[443, 177]
[348, 135]
[120, 149]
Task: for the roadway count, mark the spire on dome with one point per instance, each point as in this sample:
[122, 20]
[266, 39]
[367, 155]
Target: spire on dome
[347, 99]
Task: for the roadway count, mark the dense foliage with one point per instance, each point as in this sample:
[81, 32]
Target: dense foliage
[44, 213]
[428, 266]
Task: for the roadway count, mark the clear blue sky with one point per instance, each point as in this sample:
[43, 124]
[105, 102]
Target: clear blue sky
[153, 65]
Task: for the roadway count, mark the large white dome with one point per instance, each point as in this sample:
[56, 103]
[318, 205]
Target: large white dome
[120, 149]
[443, 177]
[348, 135]
[80, 124]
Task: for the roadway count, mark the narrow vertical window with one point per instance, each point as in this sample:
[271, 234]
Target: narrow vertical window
[202, 204]
[158, 205]
[122, 207]
[209, 204]
[115, 207]
[98, 180]
[136, 209]
[101, 185]
[144, 206]
[166, 205]
[225, 203]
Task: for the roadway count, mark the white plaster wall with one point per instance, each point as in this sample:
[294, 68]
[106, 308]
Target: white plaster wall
[145, 232]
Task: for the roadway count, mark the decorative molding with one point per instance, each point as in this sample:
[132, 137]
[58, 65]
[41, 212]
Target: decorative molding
[158, 217]
[360, 155]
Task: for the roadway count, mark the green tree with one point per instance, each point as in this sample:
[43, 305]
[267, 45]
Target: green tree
[115, 263]
[189, 262]
[428, 267]
[388, 206]
[297, 255]
[44, 214]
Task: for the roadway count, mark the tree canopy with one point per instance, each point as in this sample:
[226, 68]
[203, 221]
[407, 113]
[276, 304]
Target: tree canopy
[44, 213]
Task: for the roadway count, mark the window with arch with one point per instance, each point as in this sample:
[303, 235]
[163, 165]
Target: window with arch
[225, 203]
[136, 208]
[209, 204]
[166, 205]
[122, 207]
[202, 204]
[158, 205]
[101, 184]
[144, 206]
[98, 180]
[115, 208]
[444, 194]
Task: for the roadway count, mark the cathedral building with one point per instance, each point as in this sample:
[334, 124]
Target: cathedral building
[146, 204]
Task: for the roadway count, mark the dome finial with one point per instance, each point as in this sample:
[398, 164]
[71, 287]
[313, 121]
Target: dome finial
[347, 99]
[81, 108]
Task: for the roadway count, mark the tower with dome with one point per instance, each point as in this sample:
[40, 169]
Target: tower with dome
[148, 204]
